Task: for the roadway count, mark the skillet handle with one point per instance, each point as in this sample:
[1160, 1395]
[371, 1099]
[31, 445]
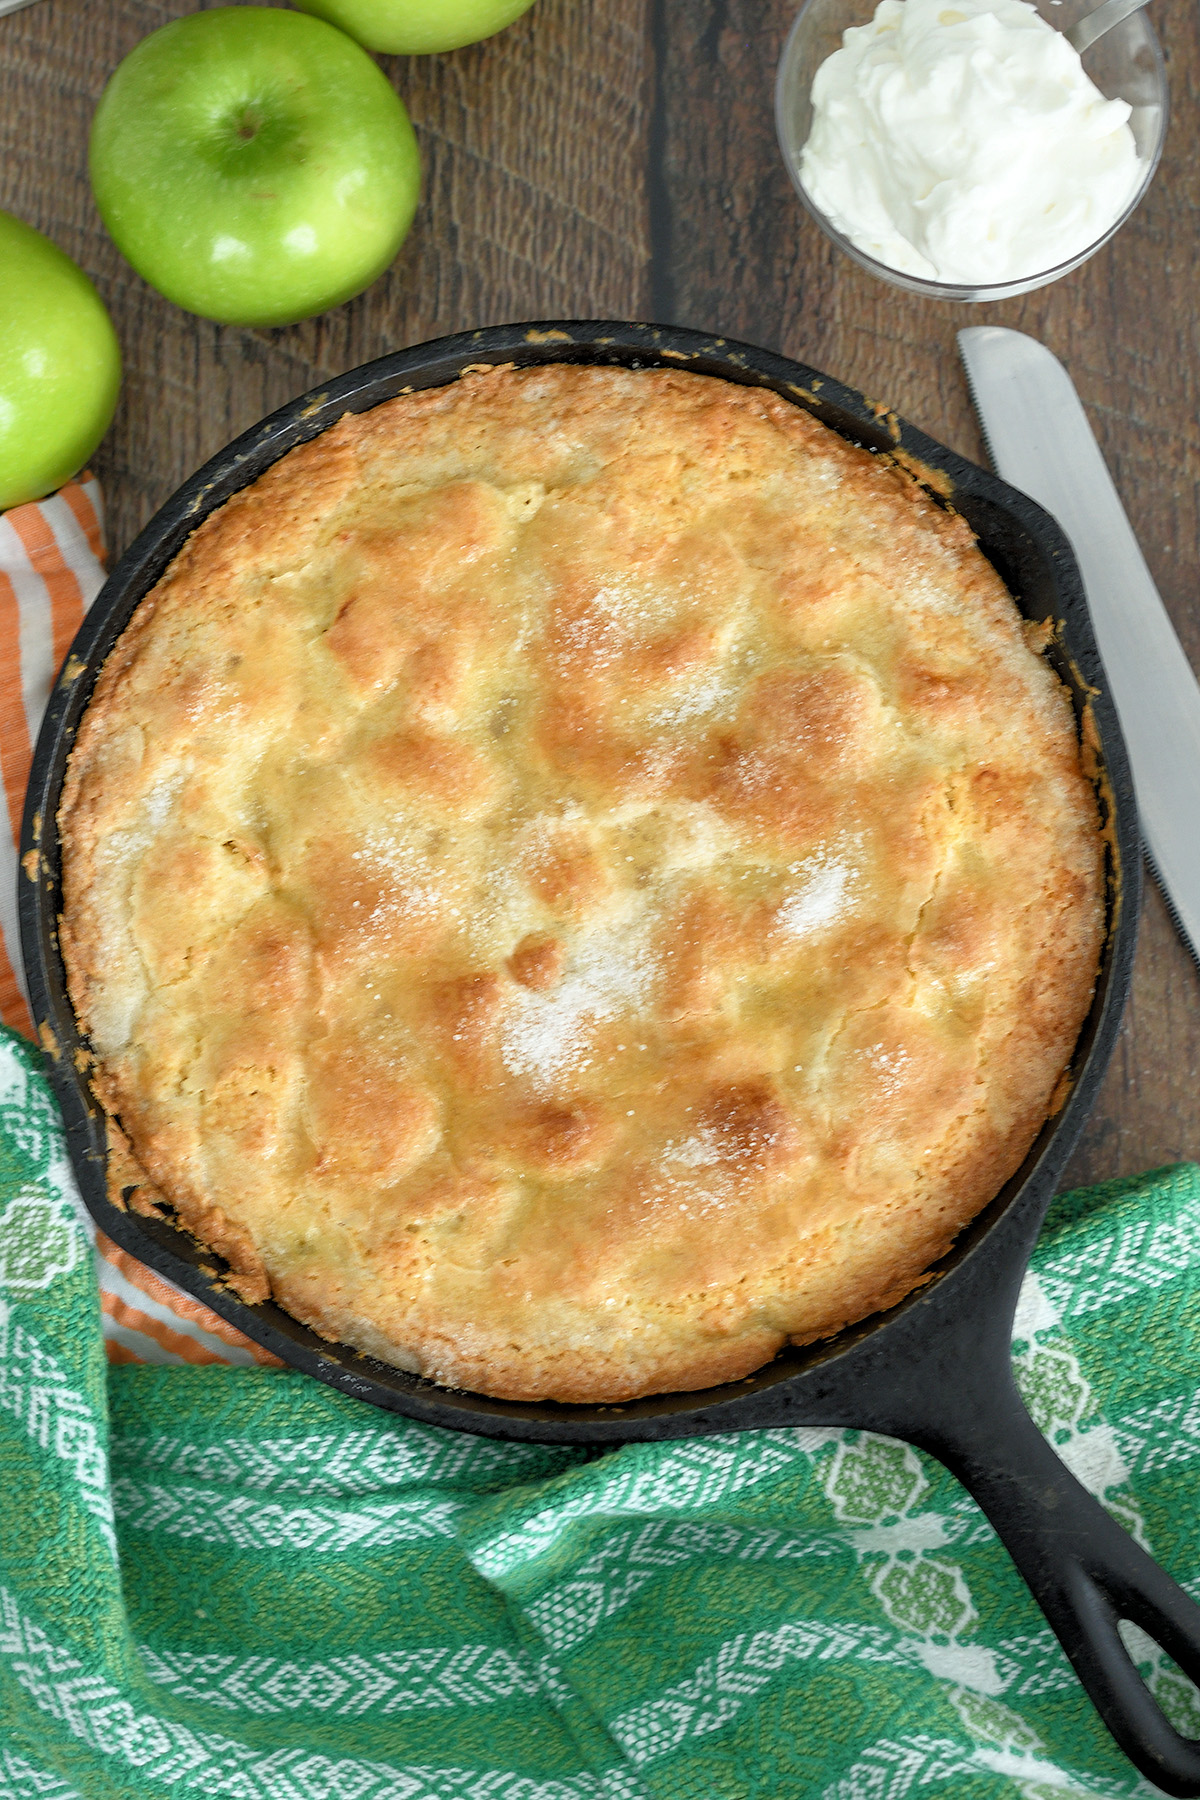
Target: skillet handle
[1086, 1574]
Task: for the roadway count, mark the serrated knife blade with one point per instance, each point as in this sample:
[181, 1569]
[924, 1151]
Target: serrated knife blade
[1039, 440]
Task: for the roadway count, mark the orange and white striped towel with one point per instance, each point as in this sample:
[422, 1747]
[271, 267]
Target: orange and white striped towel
[51, 569]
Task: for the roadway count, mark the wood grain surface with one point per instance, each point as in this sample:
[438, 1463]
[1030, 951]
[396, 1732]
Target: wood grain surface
[617, 158]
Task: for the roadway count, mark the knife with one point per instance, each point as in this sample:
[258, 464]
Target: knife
[1039, 440]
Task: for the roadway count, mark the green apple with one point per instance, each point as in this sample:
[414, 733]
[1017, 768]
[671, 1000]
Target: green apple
[254, 165]
[415, 27]
[60, 367]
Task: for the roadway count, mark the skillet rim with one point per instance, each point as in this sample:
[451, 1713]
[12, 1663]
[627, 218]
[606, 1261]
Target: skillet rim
[992, 1250]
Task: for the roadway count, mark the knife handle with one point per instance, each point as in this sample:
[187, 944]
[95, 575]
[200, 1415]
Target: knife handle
[1086, 1573]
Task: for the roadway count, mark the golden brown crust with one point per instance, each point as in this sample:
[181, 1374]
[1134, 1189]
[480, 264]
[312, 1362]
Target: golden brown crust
[577, 878]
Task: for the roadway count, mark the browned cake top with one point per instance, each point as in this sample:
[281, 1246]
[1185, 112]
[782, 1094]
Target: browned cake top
[577, 877]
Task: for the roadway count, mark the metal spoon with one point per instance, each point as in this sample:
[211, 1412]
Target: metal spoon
[1083, 34]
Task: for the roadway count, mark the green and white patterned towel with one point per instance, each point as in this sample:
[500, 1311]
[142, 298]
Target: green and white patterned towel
[236, 1584]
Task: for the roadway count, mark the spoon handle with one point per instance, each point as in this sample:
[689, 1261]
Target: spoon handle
[1083, 34]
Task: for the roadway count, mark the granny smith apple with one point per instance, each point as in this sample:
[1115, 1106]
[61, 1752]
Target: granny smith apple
[60, 367]
[254, 165]
[414, 27]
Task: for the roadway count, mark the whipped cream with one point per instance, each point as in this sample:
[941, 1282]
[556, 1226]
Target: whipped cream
[961, 140]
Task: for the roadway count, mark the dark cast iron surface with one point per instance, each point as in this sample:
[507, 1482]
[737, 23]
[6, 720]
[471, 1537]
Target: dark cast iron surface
[935, 1370]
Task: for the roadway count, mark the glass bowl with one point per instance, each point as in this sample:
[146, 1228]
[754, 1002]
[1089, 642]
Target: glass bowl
[1127, 64]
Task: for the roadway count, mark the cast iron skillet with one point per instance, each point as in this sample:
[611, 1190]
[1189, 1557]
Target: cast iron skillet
[936, 1370]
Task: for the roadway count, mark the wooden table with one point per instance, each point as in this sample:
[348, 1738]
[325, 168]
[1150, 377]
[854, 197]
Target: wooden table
[617, 158]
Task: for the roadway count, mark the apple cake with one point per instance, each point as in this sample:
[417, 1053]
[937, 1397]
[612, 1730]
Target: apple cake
[575, 879]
